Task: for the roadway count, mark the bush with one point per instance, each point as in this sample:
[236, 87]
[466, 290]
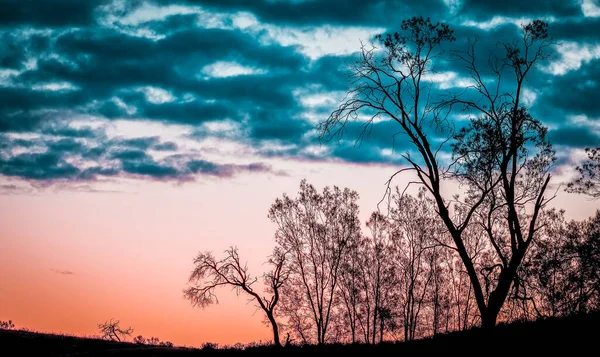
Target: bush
[7, 325]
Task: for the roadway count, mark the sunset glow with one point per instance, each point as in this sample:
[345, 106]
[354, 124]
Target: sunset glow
[135, 134]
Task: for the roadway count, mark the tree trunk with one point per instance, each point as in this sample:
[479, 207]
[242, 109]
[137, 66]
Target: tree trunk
[488, 318]
[275, 330]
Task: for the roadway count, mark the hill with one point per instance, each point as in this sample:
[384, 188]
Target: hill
[572, 334]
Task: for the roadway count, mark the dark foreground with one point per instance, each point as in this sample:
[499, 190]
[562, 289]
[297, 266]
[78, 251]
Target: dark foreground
[563, 336]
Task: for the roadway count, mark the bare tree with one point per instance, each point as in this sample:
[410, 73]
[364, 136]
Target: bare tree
[351, 285]
[503, 154]
[380, 273]
[562, 275]
[210, 273]
[315, 229]
[7, 325]
[368, 278]
[417, 233]
[588, 181]
[583, 251]
[110, 330]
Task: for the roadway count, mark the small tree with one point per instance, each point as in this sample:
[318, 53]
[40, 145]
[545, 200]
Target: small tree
[111, 330]
[7, 325]
[588, 181]
[210, 273]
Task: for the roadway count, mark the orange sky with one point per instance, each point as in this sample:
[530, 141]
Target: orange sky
[131, 252]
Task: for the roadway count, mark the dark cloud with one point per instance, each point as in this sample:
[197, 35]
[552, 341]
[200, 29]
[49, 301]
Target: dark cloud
[577, 29]
[336, 12]
[166, 146]
[42, 166]
[64, 160]
[149, 168]
[59, 63]
[210, 168]
[579, 137]
[48, 13]
[484, 10]
[573, 91]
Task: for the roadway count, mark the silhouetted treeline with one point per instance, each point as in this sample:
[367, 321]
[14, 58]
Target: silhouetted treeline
[403, 280]
[436, 261]
[398, 277]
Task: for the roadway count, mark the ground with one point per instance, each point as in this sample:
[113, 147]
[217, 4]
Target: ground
[570, 335]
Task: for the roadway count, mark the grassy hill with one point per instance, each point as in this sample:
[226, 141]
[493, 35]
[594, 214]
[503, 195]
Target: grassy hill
[551, 336]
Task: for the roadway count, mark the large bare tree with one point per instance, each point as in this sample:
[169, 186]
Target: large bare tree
[502, 159]
[210, 273]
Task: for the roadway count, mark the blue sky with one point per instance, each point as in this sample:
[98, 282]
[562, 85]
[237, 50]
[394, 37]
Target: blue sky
[94, 91]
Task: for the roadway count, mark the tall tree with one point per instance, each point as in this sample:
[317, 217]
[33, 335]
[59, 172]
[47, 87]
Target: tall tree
[416, 235]
[316, 230]
[503, 157]
[379, 272]
[210, 273]
[352, 288]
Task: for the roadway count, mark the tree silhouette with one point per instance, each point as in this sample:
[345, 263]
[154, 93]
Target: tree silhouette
[503, 157]
[367, 281]
[379, 274]
[210, 273]
[7, 325]
[110, 330]
[588, 181]
[417, 234]
[583, 250]
[316, 230]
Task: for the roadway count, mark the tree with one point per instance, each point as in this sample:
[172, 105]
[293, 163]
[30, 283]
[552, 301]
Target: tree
[352, 282]
[210, 273]
[110, 330]
[544, 276]
[367, 281]
[380, 276]
[583, 250]
[7, 325]
[502, 157]
[588, 181]
[315, 229]
[417, 234]
[562, 275]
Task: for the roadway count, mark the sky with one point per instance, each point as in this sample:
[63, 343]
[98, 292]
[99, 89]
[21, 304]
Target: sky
[134, 134]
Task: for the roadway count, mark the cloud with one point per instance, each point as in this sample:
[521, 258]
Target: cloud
[63, 272]
[572, 55]
[590, 8]
[338, 12]
[54, 13]
[570, 93]
[255, 75]
[484, 10]
[84, 160]
[229, 69]
[574, 137]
